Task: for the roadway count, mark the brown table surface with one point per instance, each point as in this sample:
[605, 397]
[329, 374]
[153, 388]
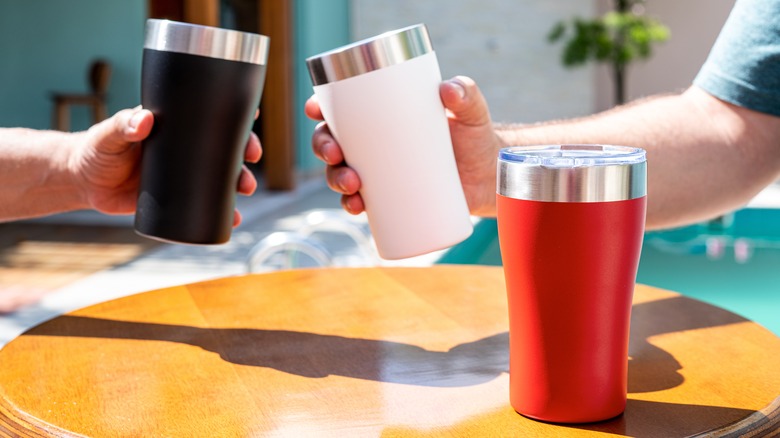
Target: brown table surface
[362, 352]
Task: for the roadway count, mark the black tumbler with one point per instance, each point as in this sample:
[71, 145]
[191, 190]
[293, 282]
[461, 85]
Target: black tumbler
[203, 85]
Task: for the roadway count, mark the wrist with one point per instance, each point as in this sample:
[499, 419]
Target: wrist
[64, 176]
[35, 173]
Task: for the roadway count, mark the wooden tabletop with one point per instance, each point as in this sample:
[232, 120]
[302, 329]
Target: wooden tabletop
[361, 352]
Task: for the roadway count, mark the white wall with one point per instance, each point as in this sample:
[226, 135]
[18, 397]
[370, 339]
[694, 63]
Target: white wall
[694, 25]
[501, 44]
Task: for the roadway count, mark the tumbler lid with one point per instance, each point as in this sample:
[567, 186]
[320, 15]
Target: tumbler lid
[212, 42]
[371, 54]
[572, 173]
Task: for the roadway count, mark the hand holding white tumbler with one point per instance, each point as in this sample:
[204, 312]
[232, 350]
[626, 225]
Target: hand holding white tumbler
[380, 97]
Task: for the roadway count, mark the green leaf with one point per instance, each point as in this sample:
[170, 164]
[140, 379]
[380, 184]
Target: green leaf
[617, 38]
[556, 32]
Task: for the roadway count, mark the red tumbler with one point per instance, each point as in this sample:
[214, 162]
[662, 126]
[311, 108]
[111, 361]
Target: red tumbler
[570, 220]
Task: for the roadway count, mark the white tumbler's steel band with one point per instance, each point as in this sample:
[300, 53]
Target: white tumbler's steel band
[572, 181]
[371, 54]
[213, 42]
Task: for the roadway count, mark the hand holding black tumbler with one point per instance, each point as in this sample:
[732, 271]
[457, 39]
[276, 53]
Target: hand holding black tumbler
[203, 85]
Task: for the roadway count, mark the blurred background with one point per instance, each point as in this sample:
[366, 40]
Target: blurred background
[47, 47]
[48, 50]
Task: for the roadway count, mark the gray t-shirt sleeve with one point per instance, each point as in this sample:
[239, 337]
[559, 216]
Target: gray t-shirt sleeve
[743, 66]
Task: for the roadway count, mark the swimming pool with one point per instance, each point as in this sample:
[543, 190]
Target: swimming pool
[732, 262]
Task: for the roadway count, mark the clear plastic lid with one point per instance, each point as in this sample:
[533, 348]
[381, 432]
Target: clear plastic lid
[573, 155]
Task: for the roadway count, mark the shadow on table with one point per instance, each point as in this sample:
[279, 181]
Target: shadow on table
[310, 354]
[648, 418]
[319, 355]
[652, 368]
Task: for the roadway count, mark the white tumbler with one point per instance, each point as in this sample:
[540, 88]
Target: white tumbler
[380, 97]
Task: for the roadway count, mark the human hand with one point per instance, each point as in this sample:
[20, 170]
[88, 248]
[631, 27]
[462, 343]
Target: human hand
[475, 144]
[105, 163]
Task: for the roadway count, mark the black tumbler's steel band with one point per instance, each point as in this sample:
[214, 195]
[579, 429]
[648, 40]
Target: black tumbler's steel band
[603, 182]
[213, 42]
[371, 54]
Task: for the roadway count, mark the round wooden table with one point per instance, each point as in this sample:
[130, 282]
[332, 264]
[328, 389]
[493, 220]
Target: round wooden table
[362, 352]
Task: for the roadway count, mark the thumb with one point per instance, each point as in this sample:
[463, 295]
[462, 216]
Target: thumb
[116, 134]
[462, 97]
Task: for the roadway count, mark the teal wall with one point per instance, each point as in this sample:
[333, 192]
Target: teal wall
[321, 26]
[47, 45]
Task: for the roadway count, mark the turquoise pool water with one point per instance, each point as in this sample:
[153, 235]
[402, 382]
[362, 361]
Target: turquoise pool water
[733, 262]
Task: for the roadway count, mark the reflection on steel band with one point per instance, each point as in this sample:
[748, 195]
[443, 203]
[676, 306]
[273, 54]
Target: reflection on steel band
[371, 54]
[575, 184]
[212, 42]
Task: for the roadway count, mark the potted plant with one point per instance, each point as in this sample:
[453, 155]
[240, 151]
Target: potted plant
[617, 38]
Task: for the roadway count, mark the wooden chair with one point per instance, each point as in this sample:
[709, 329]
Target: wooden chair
[99, 78]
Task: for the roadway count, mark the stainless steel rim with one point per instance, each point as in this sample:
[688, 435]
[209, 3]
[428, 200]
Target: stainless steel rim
[212, 42]
[370, 54]
[589, 183]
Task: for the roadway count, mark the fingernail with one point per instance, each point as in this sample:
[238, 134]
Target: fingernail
[136, 120]
[459, 88]
[327, 146]
[340, 183]
[345, 204]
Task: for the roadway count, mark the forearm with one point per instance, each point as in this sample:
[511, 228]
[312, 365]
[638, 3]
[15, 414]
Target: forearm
[705, 157]
[34, 173]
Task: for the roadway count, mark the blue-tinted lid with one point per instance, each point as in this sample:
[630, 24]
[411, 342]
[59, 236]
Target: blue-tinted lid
[572, 155]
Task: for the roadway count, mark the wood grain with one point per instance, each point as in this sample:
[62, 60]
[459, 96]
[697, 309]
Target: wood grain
[361, 352]
[204, 12]
[277, 107]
